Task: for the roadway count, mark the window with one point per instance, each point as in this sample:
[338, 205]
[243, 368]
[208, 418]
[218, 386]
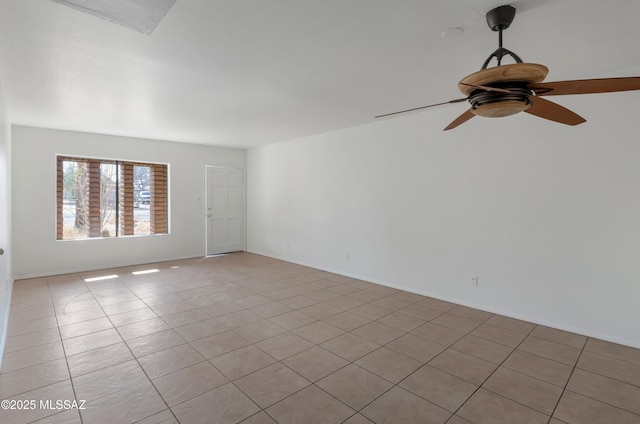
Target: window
[110, 198]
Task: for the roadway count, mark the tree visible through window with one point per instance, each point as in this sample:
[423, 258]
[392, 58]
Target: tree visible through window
[109, 198]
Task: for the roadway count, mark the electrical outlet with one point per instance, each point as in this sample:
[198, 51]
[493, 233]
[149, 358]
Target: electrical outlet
[474, 281]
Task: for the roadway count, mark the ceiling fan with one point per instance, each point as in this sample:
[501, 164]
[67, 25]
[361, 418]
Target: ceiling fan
[505, 90]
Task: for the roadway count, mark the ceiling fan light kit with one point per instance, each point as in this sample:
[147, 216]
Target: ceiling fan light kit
[506, 90]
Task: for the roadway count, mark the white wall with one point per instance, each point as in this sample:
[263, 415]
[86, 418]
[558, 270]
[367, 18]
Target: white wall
[36, 251]
[547, 216]
[6, 279]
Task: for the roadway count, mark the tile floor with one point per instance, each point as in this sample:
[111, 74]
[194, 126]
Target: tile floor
[244, 338]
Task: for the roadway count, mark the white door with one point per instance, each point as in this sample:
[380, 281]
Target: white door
[225, 209]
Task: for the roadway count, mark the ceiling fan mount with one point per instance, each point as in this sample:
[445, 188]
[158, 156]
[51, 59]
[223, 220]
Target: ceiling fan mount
[506, 90]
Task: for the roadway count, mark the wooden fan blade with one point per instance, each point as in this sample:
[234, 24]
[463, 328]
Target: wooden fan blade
[543, 108]
[422, 107]
[486, 87]
[460, 120]
[588, 86]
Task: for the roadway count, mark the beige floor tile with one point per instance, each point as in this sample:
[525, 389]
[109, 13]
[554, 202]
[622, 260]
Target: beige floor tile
[129, 405]
[398, 406]
[76, 306]
[499, 335]
[485, 407]
[366, 296]
[122, 307]
[392, 303]
[219, 344]
[389, 364]
[612, 350]
[610, 367]
[616, 393]
[483, 349]
[567, 355]
[436, 303]
[94, 360]
[438, 333]
[190, 316]
[377, 332]
[201, 329]
[109, 380]
[346, 321]
[284, 345]
[271, 384]
[130, 317]
[272, 309]
[456, 322]
[33, 356]
[457, 420]
[531, 392]
[74, 317]
[152, 343]
[241, 362]
[85, 327]
[163, 417]
[51, 393]
[354, 386]
[239, 319]
[31, 378]
[221, 308]
[538, 367]
[315, 363]
[416, 347]
[299, 301]
[259, 331]
[30, 326]
[236, 309]
[471, 313]
[318, 332]
[71, 416]
[292, 320]
[259, 418]
[169, 360]
[310, 405]
[320, 310]
[32, 339]
[349, 346]
[172, 307]
[511, 324]
[467, 367]
[439, 387]
[189, 382]
[559, 336]
[142, 328]
[577, 409]
[91, 341]
[422, 312]
[371, 311]
[343, 302]
[401, 321]
[252, 301]
[358, 419]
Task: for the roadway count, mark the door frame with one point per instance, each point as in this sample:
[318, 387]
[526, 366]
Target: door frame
[206, 202]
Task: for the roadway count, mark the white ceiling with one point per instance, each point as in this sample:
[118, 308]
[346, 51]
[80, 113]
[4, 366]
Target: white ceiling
[251, 72]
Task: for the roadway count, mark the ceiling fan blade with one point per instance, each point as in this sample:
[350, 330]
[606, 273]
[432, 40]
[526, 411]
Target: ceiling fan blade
[460, 120]
[588, 86]
[543, 108]
[486, 88]
[422, 107]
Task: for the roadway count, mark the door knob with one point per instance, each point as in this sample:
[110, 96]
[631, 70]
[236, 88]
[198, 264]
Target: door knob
[1, 251]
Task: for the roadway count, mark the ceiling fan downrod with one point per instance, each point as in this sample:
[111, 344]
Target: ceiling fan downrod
[498, 20]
